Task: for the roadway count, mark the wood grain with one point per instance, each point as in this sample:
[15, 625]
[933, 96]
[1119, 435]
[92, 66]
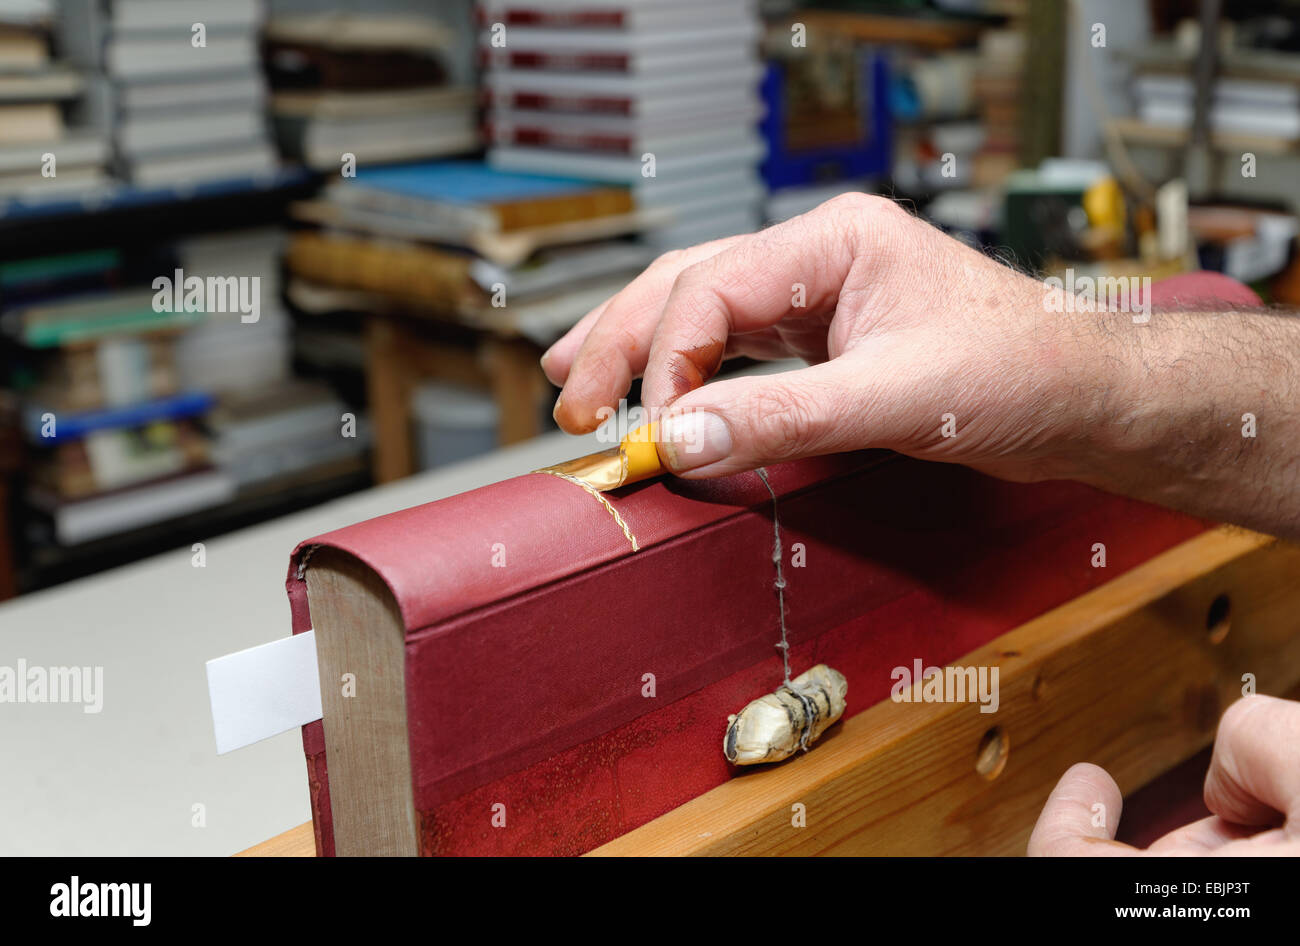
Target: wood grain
[296, 842]
[1126, 676]
[1132, 676]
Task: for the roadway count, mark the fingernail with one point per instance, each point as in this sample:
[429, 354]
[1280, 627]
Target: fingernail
[694, 439]
[555, 411]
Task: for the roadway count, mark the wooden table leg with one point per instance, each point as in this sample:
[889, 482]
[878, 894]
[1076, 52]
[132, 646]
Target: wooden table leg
[388, 388]
[517, 385]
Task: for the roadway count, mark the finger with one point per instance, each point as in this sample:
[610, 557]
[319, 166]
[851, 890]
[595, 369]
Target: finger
[1208, 834]
[557, 360]
[742, 423]
[1271, 843]
[1080, 817]
[633, 313]
[796, 268]
[1254, 776]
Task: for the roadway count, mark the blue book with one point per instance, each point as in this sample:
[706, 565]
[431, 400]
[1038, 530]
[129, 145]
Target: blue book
[74, 426]
[465, 183]
[464, 198]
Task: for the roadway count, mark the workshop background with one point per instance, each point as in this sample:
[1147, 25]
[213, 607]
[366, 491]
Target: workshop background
[390, 209]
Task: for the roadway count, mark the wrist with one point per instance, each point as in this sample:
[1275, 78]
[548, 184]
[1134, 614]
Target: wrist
[1179, 406]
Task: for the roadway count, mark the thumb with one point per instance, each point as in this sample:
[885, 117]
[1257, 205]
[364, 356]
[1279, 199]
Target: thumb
[1080, 816]
[1254, 776]
[738, 424]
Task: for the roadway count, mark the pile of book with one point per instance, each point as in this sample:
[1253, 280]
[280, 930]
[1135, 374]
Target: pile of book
[284, 436]
[376, 87]
[999, 79]
[269, 431]
[1251, 103]
[661, 97]
[515, 254]
[156, 384]
[177, 84]
[230, 349]
[114, 432]
[40, 157]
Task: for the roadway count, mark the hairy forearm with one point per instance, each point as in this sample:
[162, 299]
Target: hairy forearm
[1199, 411]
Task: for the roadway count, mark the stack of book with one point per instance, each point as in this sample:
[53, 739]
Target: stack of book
[113, 427]
[516, 254]
[1240, 106]
[234, 349]
[285, 435]
[999, 78]
[40, 158]
[269, 431]
[371, 86]
[178, 85]
[661, 97]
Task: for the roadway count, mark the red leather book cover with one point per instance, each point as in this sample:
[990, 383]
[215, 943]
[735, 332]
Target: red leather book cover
[899, 560]
[525, 684]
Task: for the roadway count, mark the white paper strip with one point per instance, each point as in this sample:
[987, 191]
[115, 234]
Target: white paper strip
[264, 691]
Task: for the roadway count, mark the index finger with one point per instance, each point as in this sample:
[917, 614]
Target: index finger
[646, 291]
[1254, 776]
[797, 267]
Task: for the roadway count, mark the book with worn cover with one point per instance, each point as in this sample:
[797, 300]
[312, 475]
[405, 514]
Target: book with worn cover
[466, 197]
[536, 668]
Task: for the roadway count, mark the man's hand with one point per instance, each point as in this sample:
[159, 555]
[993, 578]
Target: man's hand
[900, 323]
[1252, 788]
[922, 345]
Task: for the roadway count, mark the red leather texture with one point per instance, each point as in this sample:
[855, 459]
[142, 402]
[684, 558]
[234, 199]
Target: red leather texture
[524, 683]
[534, 699]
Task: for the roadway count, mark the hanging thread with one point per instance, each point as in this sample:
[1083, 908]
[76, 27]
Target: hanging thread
[779, 584]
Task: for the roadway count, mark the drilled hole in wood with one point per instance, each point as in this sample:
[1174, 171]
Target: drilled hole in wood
[1218, 619]
[992, 755]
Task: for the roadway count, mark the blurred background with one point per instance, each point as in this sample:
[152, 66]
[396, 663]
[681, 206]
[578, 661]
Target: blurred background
[258, 254]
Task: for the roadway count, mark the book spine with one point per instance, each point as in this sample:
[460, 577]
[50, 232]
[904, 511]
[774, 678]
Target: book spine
[588, 104]
[535, 136]
[560, 62]
[523, 214]
[433, 278]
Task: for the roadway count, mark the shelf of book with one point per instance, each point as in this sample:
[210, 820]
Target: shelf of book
[127, 214]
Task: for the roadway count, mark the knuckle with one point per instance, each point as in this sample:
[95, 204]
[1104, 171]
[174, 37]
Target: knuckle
[693, 297]
[626, 338]
[597, 369]
[849, 202]
[669, 260]
[858, 204]
[691, 277]
[781, 424]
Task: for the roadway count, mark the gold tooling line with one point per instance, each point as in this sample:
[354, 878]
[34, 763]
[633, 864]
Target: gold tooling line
[636, 458]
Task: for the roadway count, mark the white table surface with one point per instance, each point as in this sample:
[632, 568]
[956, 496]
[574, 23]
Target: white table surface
[126, 780]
